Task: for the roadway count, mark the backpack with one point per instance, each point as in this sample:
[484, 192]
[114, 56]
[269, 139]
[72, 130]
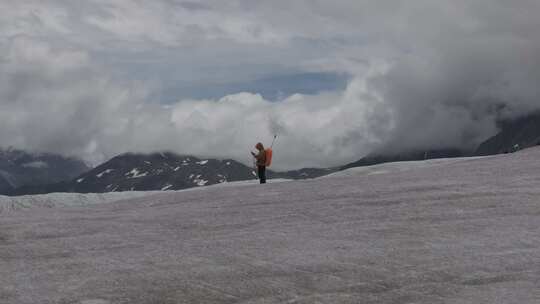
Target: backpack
[268, 155]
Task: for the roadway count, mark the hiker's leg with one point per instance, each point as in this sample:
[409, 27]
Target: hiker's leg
[262, 174]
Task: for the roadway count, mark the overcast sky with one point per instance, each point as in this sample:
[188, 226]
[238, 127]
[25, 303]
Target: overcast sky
[334, 79]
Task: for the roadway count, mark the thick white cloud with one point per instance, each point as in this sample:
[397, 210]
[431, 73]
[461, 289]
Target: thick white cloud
[80, 77]
[56, 100]
[325, 129]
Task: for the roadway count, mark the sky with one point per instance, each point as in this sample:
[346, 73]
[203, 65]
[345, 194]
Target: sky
[335, 80]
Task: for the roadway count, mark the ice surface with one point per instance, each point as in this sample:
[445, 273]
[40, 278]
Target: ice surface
[451, 231]
[202, 162]
[399, 166]
[9, 204]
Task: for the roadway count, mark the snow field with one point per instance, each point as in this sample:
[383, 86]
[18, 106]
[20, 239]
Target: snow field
[452, 231]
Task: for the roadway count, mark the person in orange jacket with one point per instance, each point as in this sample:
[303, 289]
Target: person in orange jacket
[260, 159]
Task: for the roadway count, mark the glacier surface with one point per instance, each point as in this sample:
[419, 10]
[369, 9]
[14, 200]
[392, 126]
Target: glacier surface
[445, 231]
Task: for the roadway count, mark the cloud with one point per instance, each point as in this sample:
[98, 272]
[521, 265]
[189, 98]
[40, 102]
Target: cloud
[57, 100]
[327, 127]
[176, 24]
[194, 6]
[82, 78]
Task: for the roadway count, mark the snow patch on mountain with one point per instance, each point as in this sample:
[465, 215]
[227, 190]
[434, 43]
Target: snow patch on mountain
[199, 181]
[222, 179]
[104, 172]
[135, 173]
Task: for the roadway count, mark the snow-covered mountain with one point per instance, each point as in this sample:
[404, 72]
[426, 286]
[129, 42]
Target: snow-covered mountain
[160, 171]
[461, 230]
[20, 168]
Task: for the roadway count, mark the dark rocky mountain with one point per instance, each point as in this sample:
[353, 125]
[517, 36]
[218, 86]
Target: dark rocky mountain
[516, 134]
[375, 158]
[160, 171]
[20, 168]
[5, 185]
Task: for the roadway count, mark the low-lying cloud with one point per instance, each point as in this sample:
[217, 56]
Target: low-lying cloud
[60, 102]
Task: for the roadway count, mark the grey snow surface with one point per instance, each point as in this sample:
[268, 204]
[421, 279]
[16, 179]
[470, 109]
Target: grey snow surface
[447, 231]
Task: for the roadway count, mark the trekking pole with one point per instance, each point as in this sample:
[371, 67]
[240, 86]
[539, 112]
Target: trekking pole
[273, 140]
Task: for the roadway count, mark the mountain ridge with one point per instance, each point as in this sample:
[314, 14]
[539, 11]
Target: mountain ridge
[19, 168]
[514, 134]
[160, 171]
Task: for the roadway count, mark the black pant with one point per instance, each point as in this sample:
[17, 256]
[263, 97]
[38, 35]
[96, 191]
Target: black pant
[262, 174]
